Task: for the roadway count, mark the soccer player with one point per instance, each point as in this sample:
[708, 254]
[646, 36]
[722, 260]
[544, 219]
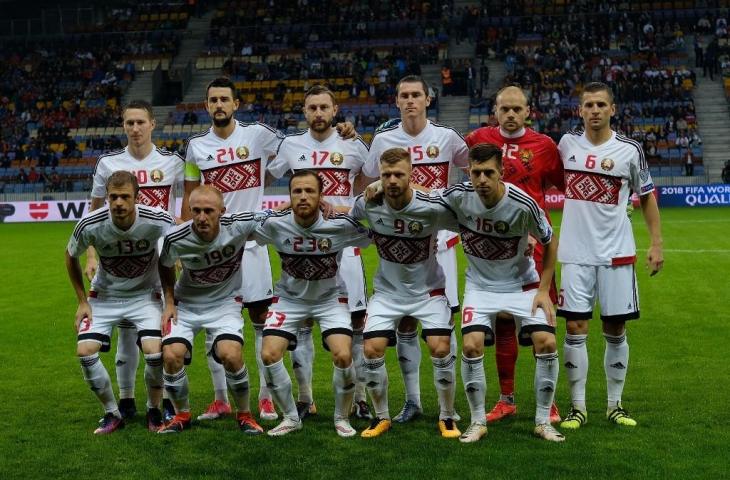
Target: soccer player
[125, 286]
[434, 150]
[338, 163]
[158, 173]
[495, 220]
[597, 249]
[530, 161]
[210, 248]
[232, 156]
[310, 248]
[409, 283]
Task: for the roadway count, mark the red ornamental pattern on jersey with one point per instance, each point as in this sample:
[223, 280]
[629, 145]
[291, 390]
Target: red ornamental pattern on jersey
[309, 267]
[128, 267]
[432, 175]
[235, 177]
[335, 182]
[218, 273]
[592, 187]
[402, 250]
[488, 247]
[154, 196]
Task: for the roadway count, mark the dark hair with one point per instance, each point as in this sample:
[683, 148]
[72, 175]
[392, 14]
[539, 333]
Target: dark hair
[318, 90]
[594, 87]
[140, 105]
[412, 79]
[121, 178]
[483, 152]
[306, 173]
[222, 82]
[394, 155]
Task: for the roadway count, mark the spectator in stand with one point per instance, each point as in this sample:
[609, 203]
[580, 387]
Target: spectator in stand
[682, 141]
[446, 81]
[22, 176]
[33, 175]
[55, 181]
[689, 166]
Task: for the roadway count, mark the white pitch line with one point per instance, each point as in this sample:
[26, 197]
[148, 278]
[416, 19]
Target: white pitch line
[687, 250]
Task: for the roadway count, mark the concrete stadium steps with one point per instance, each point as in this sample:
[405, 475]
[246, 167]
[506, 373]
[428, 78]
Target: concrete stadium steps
[713, 119]
[193, 41]
[140, 89]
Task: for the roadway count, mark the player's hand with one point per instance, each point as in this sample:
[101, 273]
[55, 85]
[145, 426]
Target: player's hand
[531, 242]
[91, 265]
[282, 206]
[374, 192]
[654, 260]
[346, 130]
[542, 300]
[328, 210]
[169, 317]
[83, 315]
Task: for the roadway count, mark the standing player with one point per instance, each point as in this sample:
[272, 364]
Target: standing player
[495, 220]
[310, 248]
[409, 283]
[232, 156]
[434, 149]
[125, 286]
[338, 163]
[158, 172]
[210, 248]
[530, 161]
[597, 249]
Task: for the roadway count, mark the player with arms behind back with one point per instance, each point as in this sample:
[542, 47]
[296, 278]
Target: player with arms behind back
[597, 249]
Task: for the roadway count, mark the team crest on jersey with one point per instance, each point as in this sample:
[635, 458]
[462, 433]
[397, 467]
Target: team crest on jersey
[432, 151]
[337, 158]
[143, 244]
[156, 175]
[501, 227]
[607, 164]
[228, 250]
[526, 155]
[415, 227]
[324, 245]
[242, 153]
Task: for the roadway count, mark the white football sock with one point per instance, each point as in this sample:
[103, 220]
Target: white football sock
[258, 331]
[153, 378]
[176, 385]
[444, 379]
[302, 359]
[127, 360]
[358, 363]
[343, 380]
[546, 379]
[377, 384]
[239, 387]
[217, 372]
[409, 359]
[279, 384]
[575, 362]
[615, 363]
[475, 386]
[98, 380]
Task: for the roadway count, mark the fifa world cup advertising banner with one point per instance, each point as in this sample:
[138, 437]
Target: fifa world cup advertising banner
[716, 195]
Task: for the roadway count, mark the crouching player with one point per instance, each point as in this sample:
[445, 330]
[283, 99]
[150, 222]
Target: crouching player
[310, 248]
[125, 287]
[495, 220]
[210, 248]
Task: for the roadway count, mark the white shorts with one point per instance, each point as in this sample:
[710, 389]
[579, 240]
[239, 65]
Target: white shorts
[257, 286]
[385, 313]
[351, 275]
[143, 312]
[446, 257]
[222, 321]
[481, 309]
[287, 315]
[614, 287]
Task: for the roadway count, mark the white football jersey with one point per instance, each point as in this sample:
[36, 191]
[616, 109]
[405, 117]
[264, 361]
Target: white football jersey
[406, 243]
[210, 269]
[310, 256]
[127, 258]
[595, 229]
[236, 165]
[495, 239]
[433, 152]
[337, 161]
[157, 174]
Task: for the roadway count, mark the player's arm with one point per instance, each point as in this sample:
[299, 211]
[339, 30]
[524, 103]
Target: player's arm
[650, 209]
[167, 280]
[542, 298]
[346, 130]
[190, 185]
[361, 182]
[73, 266]
[91, 262]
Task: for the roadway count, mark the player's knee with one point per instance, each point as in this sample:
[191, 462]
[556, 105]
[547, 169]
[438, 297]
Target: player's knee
[576, 327]
[151, 346]
[173, 358]
[372, 350]
[230, 357]
[270, 356]
[407, 325]
[84, 349]
[440, 346]
[544, 342]
[472, 348]
[614, 328]
[342, 357]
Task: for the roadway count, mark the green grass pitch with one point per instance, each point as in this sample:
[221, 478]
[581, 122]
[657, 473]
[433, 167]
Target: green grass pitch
[678, 389]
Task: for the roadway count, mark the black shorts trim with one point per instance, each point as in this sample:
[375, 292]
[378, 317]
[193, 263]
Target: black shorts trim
[106, 342]
[620, 318]
[124, 323]
[456, 309]
[524, 336]
[334, 331]
[259, 303]
[188, 355]
[488, 333]
[147, 333]
[575, 315]
[435, 332]
[223, 336]
[283, 334]
[389, 334]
